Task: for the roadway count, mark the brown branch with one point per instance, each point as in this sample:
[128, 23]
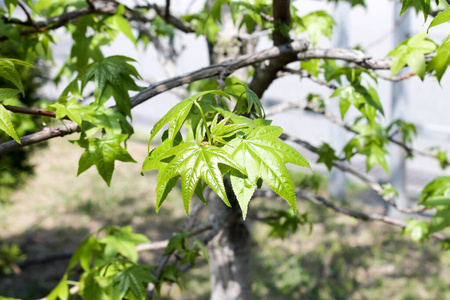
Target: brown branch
[43, 135]
[29, 19]
[265, 74]
[319, 200]
[290, 105]
[306, 74]
[395, 78]
[97, 7]
[356, 57]
[373, 184]
[167, 11]
[296, 47]
[32, 111]
[360, 215]
[216, 70]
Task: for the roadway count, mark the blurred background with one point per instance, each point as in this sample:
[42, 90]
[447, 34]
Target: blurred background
[43, 218]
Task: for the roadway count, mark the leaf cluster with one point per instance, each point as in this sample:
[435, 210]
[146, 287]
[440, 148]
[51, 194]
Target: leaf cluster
[225, 143]
[110, 268]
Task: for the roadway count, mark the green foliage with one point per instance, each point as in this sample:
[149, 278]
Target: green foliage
[236, 145]
[441, 18]
[440, 62]
[113, 76]
[327, 155]
[317, 24]
[441, 156]
[371, 141]
[110, 267]
[251, 152]
[407, 130]
[9, 72]
[10, 254]
[411, 52]
[437, 195]
[417, 229]
[285, 222]
[102, 153]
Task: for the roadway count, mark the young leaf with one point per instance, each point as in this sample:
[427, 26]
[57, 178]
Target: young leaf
[439, 187]
[69, 108]
[411, 52]
[61, 291]
[102, 153]
[327, 155]
[9, 72]
[113, 76]
[425, 5]
[6, 124]
[251, 101]
[119, 23]
[194, 162]
[7, 94]
[317, 24]
[109, 120]
[441, 61]
[11, 6]
[264, 156]
[178, 114]
[133, 279]
[441, 18]
[122, 241]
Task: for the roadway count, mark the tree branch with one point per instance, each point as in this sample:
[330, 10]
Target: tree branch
[96, 7]
[319, 200]
[359, 215]
[373, 184]
[300, 48]
[32, 111]
[265, 74]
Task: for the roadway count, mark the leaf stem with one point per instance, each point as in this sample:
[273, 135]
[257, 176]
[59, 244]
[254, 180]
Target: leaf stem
[204, 122]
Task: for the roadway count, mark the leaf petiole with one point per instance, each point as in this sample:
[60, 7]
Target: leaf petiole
[204, 122]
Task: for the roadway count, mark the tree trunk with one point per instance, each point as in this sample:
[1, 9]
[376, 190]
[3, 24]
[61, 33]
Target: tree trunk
[230, 252]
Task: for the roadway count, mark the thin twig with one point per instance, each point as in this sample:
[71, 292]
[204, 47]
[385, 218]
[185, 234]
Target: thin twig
[29, 19]
[32, 111]
[359, 215]
[373, 184]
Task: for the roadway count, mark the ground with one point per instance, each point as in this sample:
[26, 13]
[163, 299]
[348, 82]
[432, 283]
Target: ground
[340, 259]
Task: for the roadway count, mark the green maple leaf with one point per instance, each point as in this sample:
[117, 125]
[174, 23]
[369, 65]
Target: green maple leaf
[6, 124]
[9, 72]
[364, 99]
[61, 291]
[102, 153]
[327, 155]
[84, 252]
[264, 157]
[250, 102]
[437, 195]
[109, 120]
[122, 241]
[69, 108]
[178, 114]
[411, 52]
[113, 77]
[441, 61]
[5, 119]
[317, 24]
[193, 162]
[134, 280]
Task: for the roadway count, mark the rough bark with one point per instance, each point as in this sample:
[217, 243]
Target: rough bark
[230, 252]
